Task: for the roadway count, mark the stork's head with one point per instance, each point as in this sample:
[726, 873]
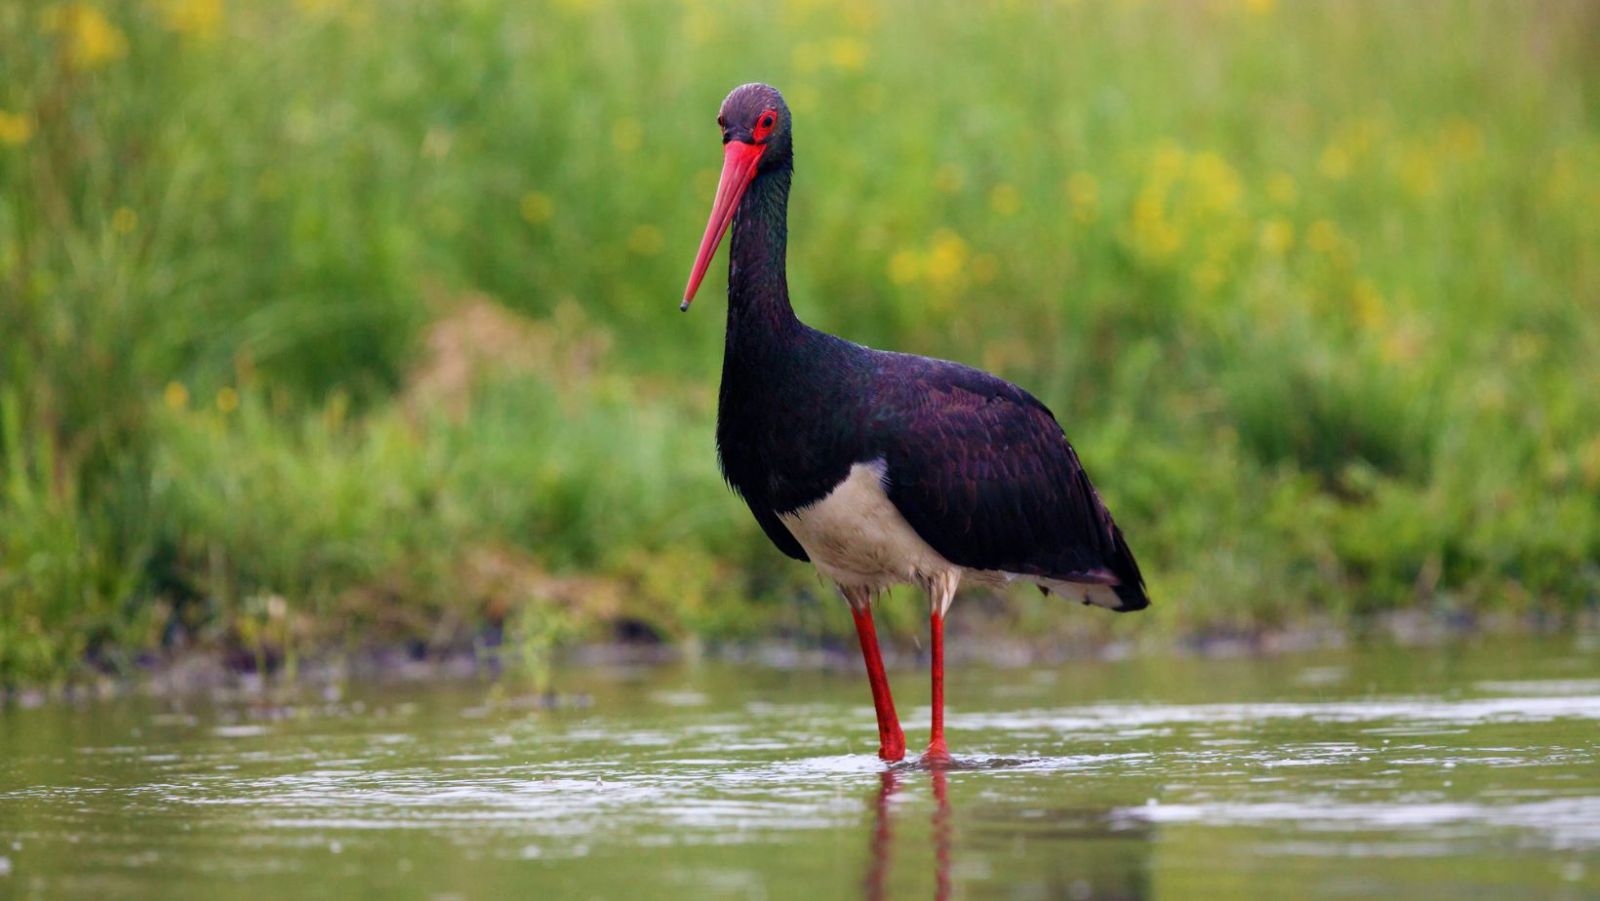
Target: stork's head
[755, 136]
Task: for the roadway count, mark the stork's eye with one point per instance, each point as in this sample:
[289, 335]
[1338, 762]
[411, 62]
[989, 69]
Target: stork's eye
[764, 125]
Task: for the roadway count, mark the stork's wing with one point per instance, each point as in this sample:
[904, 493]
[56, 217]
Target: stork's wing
[777, 531]
[985, 475]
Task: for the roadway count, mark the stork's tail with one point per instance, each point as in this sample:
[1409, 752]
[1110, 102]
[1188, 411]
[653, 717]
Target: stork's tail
[1130, 584]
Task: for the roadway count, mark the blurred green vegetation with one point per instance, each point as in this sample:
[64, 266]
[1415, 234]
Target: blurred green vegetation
[338, 321]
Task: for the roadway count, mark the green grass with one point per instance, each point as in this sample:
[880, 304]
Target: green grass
[337, 322]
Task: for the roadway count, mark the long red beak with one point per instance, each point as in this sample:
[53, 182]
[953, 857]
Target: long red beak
[739, 161]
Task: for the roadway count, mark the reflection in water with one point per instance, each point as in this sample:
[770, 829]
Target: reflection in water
[883, 833]
[1076, 852]
[941, 834]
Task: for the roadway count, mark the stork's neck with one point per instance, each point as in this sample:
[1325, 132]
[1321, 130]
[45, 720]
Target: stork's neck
[758, 285]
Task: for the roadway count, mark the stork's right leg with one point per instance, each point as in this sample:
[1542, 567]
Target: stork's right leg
[891, 741]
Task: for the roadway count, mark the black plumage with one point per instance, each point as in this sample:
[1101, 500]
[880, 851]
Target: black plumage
[979, 468]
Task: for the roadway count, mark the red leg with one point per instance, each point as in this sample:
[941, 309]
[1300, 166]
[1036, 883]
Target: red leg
[937, 752]
[891, 741]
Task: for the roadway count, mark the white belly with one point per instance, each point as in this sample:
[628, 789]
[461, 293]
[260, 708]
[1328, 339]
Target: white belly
[856, 537]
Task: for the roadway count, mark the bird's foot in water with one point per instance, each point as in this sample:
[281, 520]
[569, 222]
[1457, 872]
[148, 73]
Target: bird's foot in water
[892, 747]
[937, 757]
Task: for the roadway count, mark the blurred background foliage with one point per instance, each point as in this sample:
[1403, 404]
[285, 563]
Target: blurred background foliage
[339, 322]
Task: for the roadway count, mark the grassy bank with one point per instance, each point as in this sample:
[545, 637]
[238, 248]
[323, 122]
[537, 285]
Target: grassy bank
[344, 322]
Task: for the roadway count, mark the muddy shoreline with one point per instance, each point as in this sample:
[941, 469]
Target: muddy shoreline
[209, 670]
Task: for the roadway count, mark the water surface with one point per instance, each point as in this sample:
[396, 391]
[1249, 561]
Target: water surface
[1451, 772]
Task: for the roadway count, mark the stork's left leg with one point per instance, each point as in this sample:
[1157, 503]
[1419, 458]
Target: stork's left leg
[941, 591]
[891, 741]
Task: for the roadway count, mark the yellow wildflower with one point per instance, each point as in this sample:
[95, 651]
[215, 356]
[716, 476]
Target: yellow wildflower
[1154, 236]
[626, 135]
[1334, 163]
[1216, 183]
[16, 129]
[124, 220]
[1261, 7]
[537, 208]
[848, 54]
[1005, 200]
[1367, 305]
[196, 19]
[1186, 201]
[91, 39]
[905, 267]
[1461, 139]
[646, 241]
[1168, 162]
[175, 395]
[1084, 193]
[1324, 236]
[227, 400]
[1417, 172]
[947, 259]
[1208, 276]
[1277, 236]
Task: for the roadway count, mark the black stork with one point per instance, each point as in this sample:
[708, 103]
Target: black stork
[885, 468]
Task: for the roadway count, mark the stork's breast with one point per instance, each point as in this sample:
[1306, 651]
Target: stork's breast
[857, 537]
